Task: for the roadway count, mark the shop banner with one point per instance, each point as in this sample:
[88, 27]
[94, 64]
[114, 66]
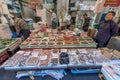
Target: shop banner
[32, 3]
[4, 8]
[72, 1]
[99, 6]
[41, 1]
[113, 3]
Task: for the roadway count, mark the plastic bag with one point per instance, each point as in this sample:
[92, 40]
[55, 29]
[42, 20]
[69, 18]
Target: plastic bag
[24, 73]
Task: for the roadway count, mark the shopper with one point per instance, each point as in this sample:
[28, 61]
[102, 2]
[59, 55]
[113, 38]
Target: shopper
[106, 30]
[86, 22]
[21, 27]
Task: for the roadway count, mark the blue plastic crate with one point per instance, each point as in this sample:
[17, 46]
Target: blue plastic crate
[85, 70]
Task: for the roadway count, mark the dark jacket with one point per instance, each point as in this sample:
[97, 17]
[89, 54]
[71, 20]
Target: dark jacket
[55, 23]
[86, 24]
[106, 30]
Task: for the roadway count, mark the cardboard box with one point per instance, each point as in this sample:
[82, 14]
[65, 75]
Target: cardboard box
[107, 52]
[91, 32]
[117, 53]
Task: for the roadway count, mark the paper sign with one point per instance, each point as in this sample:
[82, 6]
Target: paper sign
[43, 57]
[55, 56]
[112, 3]
[35, 54]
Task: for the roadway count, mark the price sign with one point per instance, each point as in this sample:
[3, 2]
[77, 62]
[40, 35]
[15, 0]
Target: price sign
[112, 2]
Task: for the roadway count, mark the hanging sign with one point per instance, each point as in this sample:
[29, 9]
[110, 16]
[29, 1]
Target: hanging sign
[40, 1]
[99, 6]
[72, 1]
[32, 3]
[112, 3]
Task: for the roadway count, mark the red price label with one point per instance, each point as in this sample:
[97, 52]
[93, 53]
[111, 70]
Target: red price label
[112, 3]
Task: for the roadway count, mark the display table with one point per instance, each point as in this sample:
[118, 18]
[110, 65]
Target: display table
[56, 39]
[78, 60]
[7, 45]
[3, 55]
[111, 71]
[52, 59]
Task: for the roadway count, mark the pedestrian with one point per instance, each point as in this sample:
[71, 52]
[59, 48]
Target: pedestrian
[21, 27]
[86, 22]
[55, 21]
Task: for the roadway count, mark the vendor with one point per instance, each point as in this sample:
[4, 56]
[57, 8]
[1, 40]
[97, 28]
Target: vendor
[68, 20]
[86, 22]
[21, 27]
[55, 21]
[106, 30]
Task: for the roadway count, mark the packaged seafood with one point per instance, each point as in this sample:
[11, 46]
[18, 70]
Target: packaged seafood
[32, 61]
[64, 58]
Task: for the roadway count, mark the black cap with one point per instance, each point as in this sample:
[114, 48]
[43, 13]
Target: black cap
[113, 13]
[85, 14]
